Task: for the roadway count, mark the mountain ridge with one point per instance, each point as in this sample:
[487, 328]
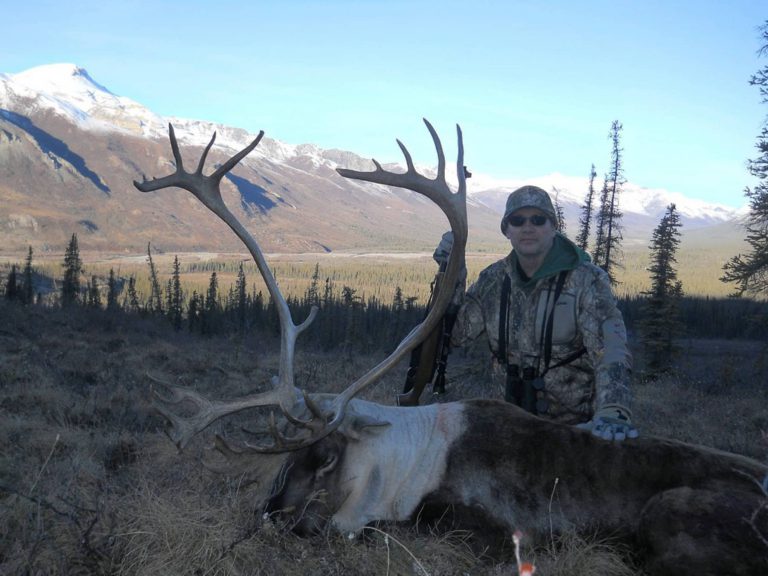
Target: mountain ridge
[60, 130]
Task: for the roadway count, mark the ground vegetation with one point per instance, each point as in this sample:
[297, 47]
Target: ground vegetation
[89, 484]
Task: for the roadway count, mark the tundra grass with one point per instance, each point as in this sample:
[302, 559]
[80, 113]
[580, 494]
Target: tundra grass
[89, 484]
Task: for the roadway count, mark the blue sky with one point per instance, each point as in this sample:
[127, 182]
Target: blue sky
[535, 85]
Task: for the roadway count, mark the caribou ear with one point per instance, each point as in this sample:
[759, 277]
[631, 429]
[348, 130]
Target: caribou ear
[355, 425]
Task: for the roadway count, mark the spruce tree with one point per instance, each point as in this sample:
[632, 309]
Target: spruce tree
[258, 311]
[601, 225]
[610, 211]
[349, 296]
[352, 304]
[73, 267]
[398, 305]
[749, 272]
[313, 293]
[112, 291]
[585, 218]
[132, 297]
[168, 296]
[660, 323]
[558, 210]
[175, 296]
[12, 285]
[27, 281]
[156, 297]
[94, 297]
[328, 292]
[397, 300]
[241, 300]
[194, 319]
[210, 316]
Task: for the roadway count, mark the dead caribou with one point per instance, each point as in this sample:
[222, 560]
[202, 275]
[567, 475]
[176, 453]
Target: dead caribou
[486, 464]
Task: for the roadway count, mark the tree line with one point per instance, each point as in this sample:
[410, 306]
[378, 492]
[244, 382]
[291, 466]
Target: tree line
[349, 320]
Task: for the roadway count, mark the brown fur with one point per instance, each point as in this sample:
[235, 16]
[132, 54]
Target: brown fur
[685, 509]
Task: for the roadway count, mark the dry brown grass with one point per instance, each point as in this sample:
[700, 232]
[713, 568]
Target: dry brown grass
[571, 553]
[88, 485]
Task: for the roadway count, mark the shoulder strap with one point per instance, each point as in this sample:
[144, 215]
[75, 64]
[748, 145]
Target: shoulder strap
[550, 321]
[548, 337]
[575, 356]
[506, 288]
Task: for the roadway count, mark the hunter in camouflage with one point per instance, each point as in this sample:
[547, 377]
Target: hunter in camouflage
[556, 299]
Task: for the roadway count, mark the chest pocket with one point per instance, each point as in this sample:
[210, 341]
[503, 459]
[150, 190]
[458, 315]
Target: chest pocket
[563, 321]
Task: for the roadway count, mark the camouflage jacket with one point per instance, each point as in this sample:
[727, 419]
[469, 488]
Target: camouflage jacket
[585, 318]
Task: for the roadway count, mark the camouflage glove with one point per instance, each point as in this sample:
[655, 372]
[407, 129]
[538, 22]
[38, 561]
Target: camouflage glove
[443, 250]
[612, 422]
[441, 254]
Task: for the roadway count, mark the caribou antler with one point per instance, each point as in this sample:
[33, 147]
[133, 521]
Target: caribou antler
[454, 207]
[284, 393]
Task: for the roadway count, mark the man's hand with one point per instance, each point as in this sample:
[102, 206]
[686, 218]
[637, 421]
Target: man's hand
[611, 422]
[441, 254]
[443, 250]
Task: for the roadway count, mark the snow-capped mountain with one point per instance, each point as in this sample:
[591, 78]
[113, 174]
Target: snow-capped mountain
[635, 201]
[70, 148]
[68, 91]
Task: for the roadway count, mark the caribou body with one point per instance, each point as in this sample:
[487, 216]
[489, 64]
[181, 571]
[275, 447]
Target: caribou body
[491, 468]
[482, 465]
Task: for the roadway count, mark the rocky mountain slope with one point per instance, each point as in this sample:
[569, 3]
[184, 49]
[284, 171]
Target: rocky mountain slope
[70, 150]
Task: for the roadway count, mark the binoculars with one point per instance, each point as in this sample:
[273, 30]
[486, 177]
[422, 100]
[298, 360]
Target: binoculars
[525, 388]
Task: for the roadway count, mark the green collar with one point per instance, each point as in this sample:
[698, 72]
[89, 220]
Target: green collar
[564, 255]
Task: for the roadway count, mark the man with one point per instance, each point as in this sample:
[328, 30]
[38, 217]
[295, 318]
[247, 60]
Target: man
[551, 322]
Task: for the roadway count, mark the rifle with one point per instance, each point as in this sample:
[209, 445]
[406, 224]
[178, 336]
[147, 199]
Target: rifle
[431, 356]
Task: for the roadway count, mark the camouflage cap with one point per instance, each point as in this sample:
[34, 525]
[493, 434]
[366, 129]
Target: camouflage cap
[529, 197]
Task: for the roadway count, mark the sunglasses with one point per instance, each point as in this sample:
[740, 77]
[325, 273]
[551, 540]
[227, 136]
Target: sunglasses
[536, 220]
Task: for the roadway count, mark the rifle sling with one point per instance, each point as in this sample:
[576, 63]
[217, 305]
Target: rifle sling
[444, 347]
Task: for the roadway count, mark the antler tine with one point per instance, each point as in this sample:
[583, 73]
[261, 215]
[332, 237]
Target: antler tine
[204, 155]
[232, 162]
[175, 148]
[221, 444]
[439, 149]
[206, 412]
[407, 155]
[281, 443]
[207, 190]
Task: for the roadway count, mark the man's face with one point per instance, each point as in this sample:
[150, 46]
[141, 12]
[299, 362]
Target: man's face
[528, 239]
